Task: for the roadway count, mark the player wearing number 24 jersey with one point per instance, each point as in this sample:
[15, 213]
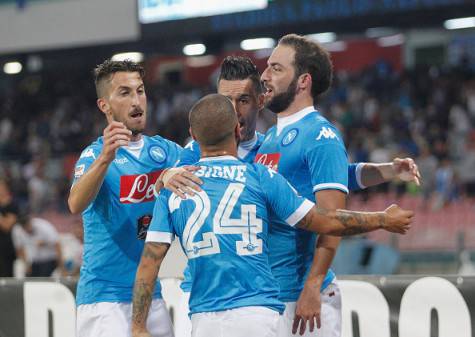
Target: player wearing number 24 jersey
[223, 231]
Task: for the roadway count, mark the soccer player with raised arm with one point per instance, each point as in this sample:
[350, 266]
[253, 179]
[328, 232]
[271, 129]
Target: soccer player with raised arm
[223, 231]
[239, 80]
[309, 152]
[113, 188]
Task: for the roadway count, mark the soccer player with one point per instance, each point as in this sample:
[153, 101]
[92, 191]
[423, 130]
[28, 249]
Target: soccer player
[223, 231]
[113, 187]
[308, 151]
[239, 80]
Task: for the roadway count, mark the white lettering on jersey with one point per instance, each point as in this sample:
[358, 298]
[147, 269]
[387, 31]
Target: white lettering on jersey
[326, 133]
[121, 160]
[232, 172]
[271, 172]
[88, 153]
[140, 185]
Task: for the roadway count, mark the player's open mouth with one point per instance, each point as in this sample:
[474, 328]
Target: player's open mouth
[136, 114]
[268, 91]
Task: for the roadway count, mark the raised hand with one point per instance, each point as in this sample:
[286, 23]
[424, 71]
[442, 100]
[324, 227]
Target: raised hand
[115, 136]
[406, 170]
[397, 220]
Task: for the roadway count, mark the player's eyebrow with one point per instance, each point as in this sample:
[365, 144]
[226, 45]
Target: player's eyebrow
[271, 64]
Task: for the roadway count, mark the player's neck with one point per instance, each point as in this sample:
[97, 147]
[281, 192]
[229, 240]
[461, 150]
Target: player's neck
[300, 102]
[217, 151]
[136, 138]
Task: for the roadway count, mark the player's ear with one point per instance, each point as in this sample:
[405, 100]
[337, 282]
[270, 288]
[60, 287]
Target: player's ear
[191, 134]
[104, 106]
[304, 81]
[237, 132]
[261, 101]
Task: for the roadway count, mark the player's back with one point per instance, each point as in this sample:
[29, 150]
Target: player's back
[224, 229]
[224, 233]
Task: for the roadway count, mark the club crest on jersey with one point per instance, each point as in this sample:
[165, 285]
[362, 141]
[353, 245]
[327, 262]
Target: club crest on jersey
[157, 153]
[290, 137]
[270, 160]
[138, 188]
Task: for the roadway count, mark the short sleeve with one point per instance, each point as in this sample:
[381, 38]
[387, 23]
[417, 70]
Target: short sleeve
[327, 160]
[190, 154]
[283, 198]
[161, 229]
[88, 156]
[354, 177]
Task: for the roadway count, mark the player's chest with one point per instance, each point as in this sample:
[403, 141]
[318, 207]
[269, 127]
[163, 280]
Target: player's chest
[283, 152]
[132, 180]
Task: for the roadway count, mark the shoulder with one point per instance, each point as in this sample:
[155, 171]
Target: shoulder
[193, 146]
[42, 223]
[318, 130]
[159, 140]
[92, 150]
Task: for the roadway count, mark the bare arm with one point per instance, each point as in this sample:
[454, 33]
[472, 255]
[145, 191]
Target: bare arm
[342, 222]
[308, 304]
[145, 281]
[404, 169]
[338, 222]
[86, 188]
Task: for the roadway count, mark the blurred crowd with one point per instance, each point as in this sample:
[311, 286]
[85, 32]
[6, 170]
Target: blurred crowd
[427, 113]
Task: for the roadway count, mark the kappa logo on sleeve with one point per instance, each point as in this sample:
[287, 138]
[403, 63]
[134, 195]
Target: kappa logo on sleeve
[326, 133]
[88, 153]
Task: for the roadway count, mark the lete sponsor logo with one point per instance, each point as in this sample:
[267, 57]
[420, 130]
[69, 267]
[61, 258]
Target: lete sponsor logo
[271, 160]
[138, 188]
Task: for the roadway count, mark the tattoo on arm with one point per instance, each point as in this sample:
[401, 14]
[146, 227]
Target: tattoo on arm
[348, 222]
[142, 299]
[145, 281]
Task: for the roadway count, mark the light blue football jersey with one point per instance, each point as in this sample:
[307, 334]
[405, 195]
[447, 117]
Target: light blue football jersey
[309, 152]
[223, 231]
[115, 223]
[190, 155]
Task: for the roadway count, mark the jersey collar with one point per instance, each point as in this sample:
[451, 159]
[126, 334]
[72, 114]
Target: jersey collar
[245, 147]
[218, 158]
[282, 122]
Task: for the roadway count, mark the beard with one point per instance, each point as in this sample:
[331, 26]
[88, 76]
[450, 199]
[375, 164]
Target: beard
[280, 102]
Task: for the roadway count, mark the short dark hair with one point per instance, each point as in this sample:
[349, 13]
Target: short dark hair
[104, 71]
[234, 68]
[213, 120]
[312, 58]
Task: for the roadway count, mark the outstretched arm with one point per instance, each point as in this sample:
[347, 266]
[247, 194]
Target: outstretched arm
[145, 281]
[343, 223]
[403, 169]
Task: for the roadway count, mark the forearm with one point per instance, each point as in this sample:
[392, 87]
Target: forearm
[86, 188]
[374, 174]
[341, 222]
[145, 281]
[322, 260]
[144, 287]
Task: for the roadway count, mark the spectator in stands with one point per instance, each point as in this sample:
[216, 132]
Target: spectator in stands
[428, 164]
[445, 184]
[40, 241]
[8, 218]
